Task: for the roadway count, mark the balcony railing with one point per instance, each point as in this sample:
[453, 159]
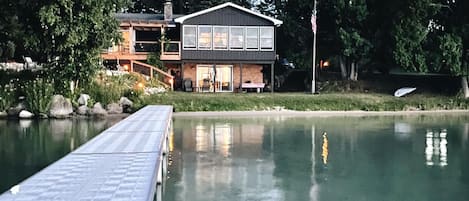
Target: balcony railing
[147, 46]
[171, 50]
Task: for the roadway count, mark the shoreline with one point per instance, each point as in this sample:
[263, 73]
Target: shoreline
[352, 113]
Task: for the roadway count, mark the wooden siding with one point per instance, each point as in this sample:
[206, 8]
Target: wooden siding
[228, 16]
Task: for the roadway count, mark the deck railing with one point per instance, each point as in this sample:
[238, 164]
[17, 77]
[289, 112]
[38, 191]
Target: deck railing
[171, 50]
[147, 46]
[152, 72]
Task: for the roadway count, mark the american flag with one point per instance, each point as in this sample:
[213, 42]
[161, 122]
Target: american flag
[313, 22]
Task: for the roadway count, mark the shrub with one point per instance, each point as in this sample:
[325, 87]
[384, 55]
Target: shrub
[105, 93]
[7, 96]
[38, 93]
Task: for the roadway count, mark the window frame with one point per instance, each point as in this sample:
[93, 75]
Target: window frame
[227, 38]
[246, 38]
[243, 28]
[272, 37]
[184, 37]
[198, 38]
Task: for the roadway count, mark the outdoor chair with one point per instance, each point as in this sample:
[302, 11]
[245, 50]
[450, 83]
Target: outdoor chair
[188, 85]
[205, 85]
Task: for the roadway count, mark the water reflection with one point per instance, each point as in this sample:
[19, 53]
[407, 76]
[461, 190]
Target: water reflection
[436, 152]
[282, 158]
[325, 148]
[27, 146]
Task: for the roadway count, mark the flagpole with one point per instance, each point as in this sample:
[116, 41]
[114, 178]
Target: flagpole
[313, 81]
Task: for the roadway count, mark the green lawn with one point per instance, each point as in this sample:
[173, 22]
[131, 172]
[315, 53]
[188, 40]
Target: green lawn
[302, 102]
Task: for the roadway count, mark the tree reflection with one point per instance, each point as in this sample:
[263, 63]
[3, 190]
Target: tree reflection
[292, 159]
[27, 146]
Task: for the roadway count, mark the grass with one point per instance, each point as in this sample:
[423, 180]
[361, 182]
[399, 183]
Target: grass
[302, 102]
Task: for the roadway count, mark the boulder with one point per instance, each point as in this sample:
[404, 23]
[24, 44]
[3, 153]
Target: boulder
[114, 108]
[83, 110]
[60, 107]
[124, 101]
[24, 114]
[83, 99]
[126, 104]
[98, 110]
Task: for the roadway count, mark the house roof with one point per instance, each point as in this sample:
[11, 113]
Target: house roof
[273, 20]
[142, 17]
[139, 16]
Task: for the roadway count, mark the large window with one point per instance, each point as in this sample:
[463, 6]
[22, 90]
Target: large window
[267, 38]
[190, 37]
[205, 37]
[220, 38]
[252, 38]
[236, 38]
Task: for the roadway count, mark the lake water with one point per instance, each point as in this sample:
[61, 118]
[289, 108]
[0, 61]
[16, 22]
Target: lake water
[330, 158]
[27, 146]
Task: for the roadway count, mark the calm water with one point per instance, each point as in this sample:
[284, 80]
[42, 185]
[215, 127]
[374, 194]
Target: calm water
[414, 158]
[28, 146]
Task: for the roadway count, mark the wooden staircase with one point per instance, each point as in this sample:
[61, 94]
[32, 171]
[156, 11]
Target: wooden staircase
[153, 72]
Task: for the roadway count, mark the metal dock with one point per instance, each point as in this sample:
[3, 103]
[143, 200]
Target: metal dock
[124, 162]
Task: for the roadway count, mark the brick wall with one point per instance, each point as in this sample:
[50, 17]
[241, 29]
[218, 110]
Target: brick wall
[251, 72]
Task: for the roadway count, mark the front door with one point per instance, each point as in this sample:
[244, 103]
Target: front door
[215, 78]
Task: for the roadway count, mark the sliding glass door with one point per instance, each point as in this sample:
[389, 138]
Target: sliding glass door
[214, 78]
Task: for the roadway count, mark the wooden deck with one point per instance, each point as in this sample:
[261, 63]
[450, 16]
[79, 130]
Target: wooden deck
[125, 162]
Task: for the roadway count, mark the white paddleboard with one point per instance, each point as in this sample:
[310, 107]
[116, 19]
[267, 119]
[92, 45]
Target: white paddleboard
[404, 91]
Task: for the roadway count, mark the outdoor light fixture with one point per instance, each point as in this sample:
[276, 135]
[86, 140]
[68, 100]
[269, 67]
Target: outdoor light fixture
[326, 64]
[126, 67]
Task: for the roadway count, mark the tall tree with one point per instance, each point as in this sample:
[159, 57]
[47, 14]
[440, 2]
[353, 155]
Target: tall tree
[350, 28]
[379, 26]
[294, 37]
[180, 6]
[410, 35]
[451, 27]
[433, 36]
[73, 33]
[9, 29]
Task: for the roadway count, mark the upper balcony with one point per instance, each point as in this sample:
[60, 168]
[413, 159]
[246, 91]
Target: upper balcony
[170, 51]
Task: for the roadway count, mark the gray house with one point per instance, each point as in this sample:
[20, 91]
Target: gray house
[225, 46]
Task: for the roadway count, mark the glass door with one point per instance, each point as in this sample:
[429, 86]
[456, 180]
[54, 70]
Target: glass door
[216, 78]
[204, 78]
[224, 78]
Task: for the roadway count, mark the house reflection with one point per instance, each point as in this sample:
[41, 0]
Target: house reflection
[216, 137]
[436, 151]
[221, 155]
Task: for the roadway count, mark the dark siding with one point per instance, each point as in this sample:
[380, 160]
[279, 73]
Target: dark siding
[228, 16]
[224, 55]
